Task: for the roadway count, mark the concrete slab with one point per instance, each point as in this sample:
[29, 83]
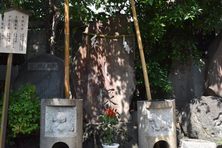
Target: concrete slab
[197, 143]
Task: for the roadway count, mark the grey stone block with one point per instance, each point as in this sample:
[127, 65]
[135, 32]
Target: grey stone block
[61, 123]
[197, 143]
[156, 124]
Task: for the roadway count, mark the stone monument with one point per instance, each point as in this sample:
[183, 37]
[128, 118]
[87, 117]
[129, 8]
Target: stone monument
[104, 67]
[156, 124]
[46, 72]
[59, 120]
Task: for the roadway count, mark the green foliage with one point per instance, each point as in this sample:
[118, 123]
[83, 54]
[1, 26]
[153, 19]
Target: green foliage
[24, 111]
[172, 30]
[175, 31]
[107, 126]
[37, 8]
[158, 77]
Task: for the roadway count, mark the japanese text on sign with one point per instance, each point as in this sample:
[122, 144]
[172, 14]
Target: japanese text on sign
[13, 32]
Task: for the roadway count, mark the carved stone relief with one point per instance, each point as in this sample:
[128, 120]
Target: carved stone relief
[160, 121]
[60, 121]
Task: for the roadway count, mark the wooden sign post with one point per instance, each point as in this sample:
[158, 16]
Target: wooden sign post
[13, 39]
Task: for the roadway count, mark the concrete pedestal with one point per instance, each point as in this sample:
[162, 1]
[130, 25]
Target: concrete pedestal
[156, 124]
[61, 123]
[196, 143]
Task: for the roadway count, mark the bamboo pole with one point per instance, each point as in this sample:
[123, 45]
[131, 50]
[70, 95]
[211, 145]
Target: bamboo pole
[67, 61]
[6, 101]
[140, 45]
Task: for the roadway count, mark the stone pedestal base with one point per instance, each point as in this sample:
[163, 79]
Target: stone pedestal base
[61, 123]
[156, 124]
[197, 143]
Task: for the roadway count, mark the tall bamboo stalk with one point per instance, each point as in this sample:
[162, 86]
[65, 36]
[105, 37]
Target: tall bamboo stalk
[67, 61]
[140, 45]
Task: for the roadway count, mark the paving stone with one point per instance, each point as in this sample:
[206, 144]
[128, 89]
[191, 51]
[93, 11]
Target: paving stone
[197, 143]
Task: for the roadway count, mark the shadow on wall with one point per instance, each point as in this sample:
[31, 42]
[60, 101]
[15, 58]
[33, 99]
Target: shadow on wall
[103, 67]
[214, 68]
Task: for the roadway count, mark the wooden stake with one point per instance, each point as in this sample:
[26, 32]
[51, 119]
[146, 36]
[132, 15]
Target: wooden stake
[140, 45]
[67, 85]
[6, 101]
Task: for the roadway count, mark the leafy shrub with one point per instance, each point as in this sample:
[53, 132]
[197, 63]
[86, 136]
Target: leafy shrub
[24, 111]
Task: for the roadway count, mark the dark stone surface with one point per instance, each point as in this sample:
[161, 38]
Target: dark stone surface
[213, 72]
[37, 43]
[25, 141]
[60, 145]
[187, 81]
[14, 72]
[202, 118]
[46, 72]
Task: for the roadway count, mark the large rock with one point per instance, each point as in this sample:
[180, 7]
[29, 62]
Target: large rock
[202, 119]
[46, 72]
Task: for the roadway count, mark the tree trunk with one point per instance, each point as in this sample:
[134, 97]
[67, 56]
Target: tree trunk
[47, 23]
[54, 24]
[52, 20]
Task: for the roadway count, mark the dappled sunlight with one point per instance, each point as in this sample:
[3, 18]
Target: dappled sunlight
[103, 71]
[202, 118]
[104, 68]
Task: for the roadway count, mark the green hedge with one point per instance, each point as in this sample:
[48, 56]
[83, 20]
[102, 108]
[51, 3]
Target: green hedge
[23, 112]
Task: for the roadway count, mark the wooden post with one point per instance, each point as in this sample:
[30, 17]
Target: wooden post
[20, 18]
[67, 85]
[6, 101]
[140, 46]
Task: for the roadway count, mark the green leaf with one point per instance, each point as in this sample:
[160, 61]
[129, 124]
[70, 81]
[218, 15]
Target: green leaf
[150, 2]
[24, 111]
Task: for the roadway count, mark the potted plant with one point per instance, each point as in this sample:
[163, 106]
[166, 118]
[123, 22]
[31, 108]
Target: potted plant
[108, 129]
